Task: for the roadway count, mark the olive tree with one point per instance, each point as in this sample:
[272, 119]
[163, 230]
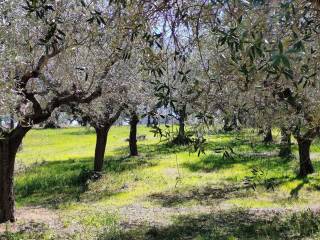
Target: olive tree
[274, 48]
[43, 46]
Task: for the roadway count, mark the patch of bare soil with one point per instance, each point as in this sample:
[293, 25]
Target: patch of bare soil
[39, 220]
[32, 219]
[209, 195]
[136, 214]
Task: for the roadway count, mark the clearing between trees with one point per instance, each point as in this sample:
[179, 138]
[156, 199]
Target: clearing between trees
[235, 191]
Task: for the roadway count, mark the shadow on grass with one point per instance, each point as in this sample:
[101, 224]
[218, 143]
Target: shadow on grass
[203, 195]
[215, 162]
[229, 224]
[153, 150]
[249, 140]
[53, 183]
[272, 172]
[228, 141]
[212, 163]
[50, 183]
[211, 195]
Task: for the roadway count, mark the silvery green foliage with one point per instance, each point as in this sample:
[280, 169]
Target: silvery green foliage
[268, 62]
[124, 89]
[51, 50]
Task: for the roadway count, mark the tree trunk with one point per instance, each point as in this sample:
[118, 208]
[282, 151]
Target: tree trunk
[304, 157]
[285, 144]
[268, 135]
[155, 121]
[11, 122]
[234, 122]
[133, 135]
[182, 126]
[149, 121]
[9, 145]
[260, 131]
[181, 138]
[230, 124]
[226, 126]
[101, 143]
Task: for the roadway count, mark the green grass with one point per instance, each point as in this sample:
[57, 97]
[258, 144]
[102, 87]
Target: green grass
[230, 225]
[53, 164]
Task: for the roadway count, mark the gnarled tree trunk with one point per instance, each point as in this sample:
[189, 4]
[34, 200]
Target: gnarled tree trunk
[230, 124]
[101, 143]
[133, 134]
[285, 144]
[182, 127]
[11, 122]
[149, 121]
[268, 138]
[9, 145]
[102, 131]
[226, 124]
[181, 138]
[306, 166]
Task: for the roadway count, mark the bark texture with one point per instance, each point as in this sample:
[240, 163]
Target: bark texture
[149, 121]
[181, 138]
[268, 138]
[101, 144]
[306, 166]
[9, 145]
[133, 134]
[102, 129]
[285, 144]
[230, 124]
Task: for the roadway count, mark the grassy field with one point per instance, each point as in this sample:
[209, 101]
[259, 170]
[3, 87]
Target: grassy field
[165, 193]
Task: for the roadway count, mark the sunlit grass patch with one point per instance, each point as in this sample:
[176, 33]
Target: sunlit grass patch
[56, 165]
[159, 167]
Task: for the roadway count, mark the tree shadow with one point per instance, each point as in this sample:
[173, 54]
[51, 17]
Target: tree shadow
[53, 183]
[229, 224]
[242, 139]
[234, 151]
[215, 162]
[230, 141]
[203, 195]
[212, 162]
[50, 183]
[211, 195]
[294, 193]
[126, 163]
[152, 150]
